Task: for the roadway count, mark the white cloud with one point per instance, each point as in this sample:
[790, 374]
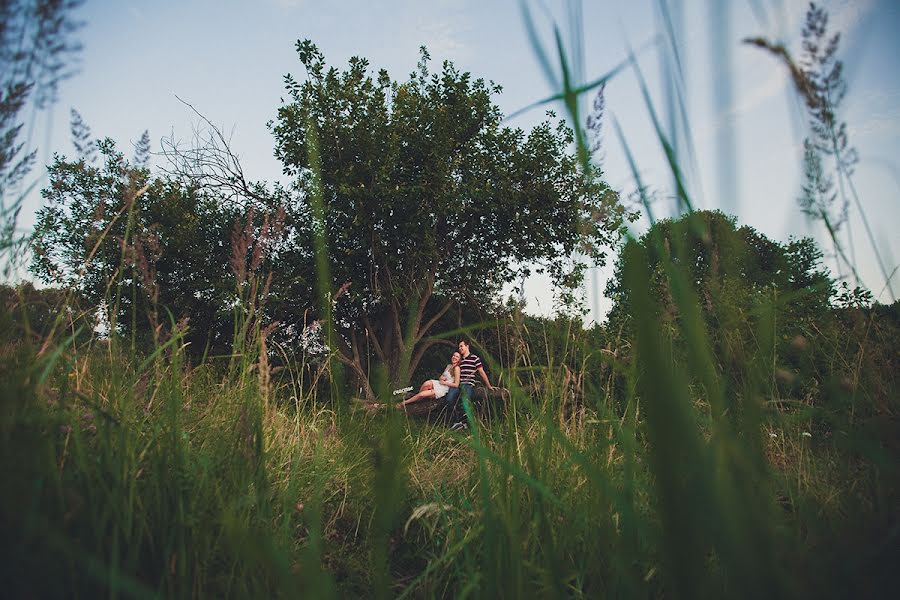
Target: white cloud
[885, 125]
[774, 85]
[137, 13]
[846, 15]
[288, 4]
[441, 39]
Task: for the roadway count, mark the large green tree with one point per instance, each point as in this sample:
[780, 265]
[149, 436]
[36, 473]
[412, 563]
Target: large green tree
[144, 246]
[732, 272]
[428, 201]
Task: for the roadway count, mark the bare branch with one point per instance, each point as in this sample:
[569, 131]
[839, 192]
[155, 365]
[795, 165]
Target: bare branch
[355, 365]
[211, 163]
[395, 311]
[423, 302]
[423, 348]
[371, 335]
[434, 320]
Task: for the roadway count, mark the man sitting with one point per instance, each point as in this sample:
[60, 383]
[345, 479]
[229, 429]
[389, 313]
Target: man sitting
[468, 367]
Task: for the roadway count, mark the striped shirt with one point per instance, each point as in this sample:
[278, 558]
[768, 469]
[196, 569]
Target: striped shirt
[467, 368]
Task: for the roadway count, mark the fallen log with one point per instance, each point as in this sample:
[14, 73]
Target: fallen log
[487, 403]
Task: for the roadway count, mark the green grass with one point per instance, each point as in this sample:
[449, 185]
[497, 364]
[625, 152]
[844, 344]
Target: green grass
[150, 478]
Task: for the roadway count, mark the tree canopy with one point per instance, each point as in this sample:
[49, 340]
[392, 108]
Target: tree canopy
[732, 271]
[428, 200]
[144, 245]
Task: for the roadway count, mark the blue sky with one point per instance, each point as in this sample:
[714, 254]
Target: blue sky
[227, 58]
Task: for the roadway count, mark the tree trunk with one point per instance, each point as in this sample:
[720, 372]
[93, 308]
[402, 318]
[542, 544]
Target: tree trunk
[487, 403]
[398, 343]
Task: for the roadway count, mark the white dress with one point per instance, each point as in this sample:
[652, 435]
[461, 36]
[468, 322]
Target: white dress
[440, 390]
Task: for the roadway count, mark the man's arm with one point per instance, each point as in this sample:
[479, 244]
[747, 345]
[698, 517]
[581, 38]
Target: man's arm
[484, 377]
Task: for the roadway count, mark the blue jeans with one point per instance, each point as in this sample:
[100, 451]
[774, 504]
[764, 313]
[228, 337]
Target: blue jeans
[452, 396]
[465, 391]
[453, 406]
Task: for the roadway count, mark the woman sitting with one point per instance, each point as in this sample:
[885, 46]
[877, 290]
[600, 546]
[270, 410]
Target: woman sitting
[438, 388]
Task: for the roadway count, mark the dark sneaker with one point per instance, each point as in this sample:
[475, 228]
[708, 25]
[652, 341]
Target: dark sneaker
[461, 426]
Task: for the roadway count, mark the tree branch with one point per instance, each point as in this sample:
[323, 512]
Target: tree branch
[396, 324]
[354, 346]
[434, 320]
[423, 302]
[209, 161]
[355, 365]
[370, 333]
[417, 358]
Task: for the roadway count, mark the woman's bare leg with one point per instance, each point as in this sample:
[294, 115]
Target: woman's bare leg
[429, 393]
